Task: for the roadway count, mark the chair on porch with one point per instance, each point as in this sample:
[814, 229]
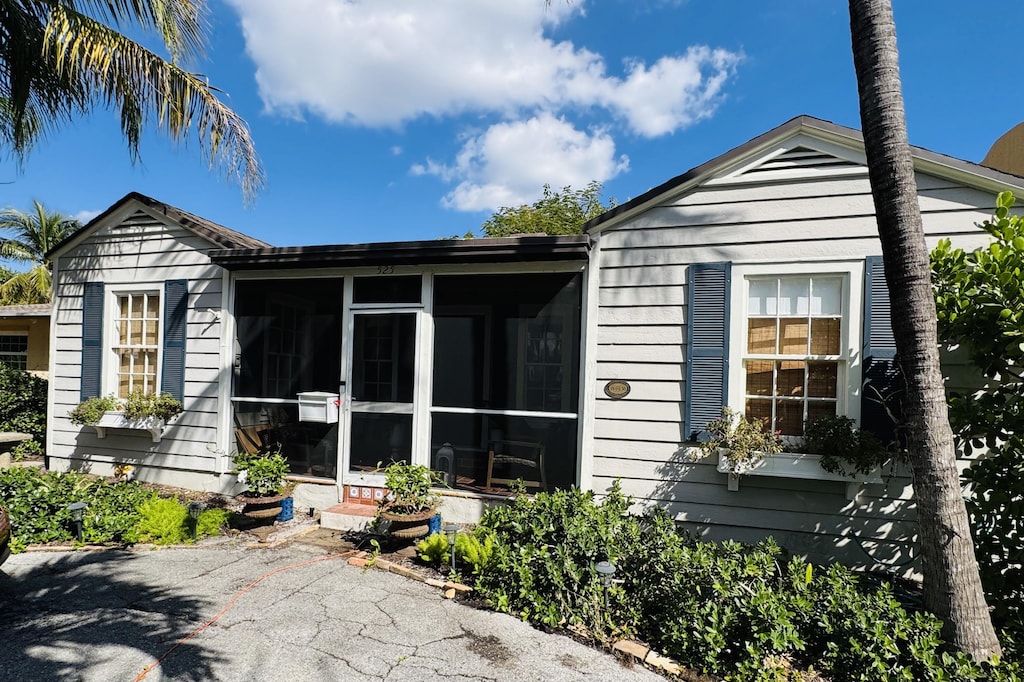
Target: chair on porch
[510, 454]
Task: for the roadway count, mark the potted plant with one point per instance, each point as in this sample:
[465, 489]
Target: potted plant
[741, 444]
[844, 449]
[139, 410]
[410, 502]
[263, 474]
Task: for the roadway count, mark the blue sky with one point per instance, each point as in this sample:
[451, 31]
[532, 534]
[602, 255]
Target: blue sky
[403, 119]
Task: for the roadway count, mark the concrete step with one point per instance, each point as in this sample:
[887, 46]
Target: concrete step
[346, 516]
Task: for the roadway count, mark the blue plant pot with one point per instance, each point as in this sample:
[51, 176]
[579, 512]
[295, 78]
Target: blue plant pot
[287, 510]
[434, 524]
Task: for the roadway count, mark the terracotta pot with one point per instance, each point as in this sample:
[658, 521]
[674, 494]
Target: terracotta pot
[408, 526]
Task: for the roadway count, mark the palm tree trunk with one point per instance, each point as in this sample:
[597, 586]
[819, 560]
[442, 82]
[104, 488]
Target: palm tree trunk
[952, 586]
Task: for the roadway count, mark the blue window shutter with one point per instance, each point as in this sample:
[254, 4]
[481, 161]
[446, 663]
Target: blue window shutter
[172, 378]
[92, 340]
[882, 381]
[707, 337]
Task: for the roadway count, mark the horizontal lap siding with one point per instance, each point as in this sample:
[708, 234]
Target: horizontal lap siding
[640, 339]
[144, 251]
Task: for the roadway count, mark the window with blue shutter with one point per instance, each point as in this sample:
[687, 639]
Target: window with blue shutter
[172, 378]
[882, 382]
[92, 340]
[707, 336]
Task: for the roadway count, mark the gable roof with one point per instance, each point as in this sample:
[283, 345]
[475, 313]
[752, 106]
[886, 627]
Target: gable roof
[970, 174]
[217, 234]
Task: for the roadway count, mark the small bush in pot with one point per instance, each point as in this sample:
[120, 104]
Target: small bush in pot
[409, 489]
[263, 472]
[747, 441]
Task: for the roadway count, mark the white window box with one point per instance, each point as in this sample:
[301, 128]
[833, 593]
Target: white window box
[796, 465]
[116, 420]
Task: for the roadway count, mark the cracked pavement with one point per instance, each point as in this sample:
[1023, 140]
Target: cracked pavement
[108, 615]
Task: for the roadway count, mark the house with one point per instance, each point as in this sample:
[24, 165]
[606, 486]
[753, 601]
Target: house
[752, 280]
[25, 337]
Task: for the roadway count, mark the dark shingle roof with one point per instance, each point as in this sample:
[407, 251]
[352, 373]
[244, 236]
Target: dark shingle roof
[218, 234]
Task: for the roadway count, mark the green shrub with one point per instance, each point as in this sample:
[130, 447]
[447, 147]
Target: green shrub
[474, 549]
[735, 611]
[22, 403]
[37, 502]
[434, 549]
[165, 521]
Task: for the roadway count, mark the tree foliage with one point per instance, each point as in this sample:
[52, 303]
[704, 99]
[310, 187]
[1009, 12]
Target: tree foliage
[980, 299]
[61, 59]
[555, 212]
[31, 235]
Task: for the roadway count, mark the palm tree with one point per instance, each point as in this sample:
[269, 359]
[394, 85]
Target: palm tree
[952, 586]
[60, 59]
[34, 234]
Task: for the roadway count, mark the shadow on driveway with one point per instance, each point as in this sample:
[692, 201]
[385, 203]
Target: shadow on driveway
[88, 615]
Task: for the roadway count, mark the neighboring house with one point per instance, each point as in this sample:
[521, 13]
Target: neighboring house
[752, 281]
[25, 337]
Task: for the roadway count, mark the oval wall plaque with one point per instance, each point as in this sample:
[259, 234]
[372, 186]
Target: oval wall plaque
[616, 389]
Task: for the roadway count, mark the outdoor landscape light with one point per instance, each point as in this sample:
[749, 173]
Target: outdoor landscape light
[194, 511]
[606, 570]
[77, 511]
[450, 530]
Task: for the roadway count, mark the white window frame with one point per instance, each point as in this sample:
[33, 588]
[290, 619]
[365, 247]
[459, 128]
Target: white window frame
[13, 354]
[111, 312]
[848, 391]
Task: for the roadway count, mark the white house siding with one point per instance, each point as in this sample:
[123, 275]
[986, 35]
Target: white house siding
[141, 249]
[641, 338]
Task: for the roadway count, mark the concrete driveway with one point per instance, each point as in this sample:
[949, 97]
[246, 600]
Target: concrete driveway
[106, 616]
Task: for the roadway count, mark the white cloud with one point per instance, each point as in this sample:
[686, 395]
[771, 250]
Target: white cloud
[85, 215]
[382, 64]
[509, 163]
[385, 63]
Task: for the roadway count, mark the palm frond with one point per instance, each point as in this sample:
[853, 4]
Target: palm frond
[27, 288]
[141, 86]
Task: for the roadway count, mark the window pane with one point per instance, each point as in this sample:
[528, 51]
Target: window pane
[794, 295]
[759, 377]
[153, 307]
[789, 417]
[762, 297]
[825, 335]
[761, 335]
[13, 343]
[402, 289]
[820, 408]
[384, 357]
[822, 378]
[790, 379]
[380, 438]
[759, 410]
[289, 336]
[826, 296]
[793, 336]
[507, 341]
[474, 436]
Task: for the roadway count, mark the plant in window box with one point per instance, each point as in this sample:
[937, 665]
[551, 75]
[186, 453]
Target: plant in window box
[740, 443]
[162, 406]
[263, 473]
[410, 502]
[844, 449]
[91, 410]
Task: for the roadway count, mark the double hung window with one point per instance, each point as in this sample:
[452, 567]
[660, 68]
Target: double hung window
[14, 350]
[137, 342]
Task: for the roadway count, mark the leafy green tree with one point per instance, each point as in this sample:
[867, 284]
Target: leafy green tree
[555, 213]
[952, 585]
[61, 59]
[33, 235]
[980, 300]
